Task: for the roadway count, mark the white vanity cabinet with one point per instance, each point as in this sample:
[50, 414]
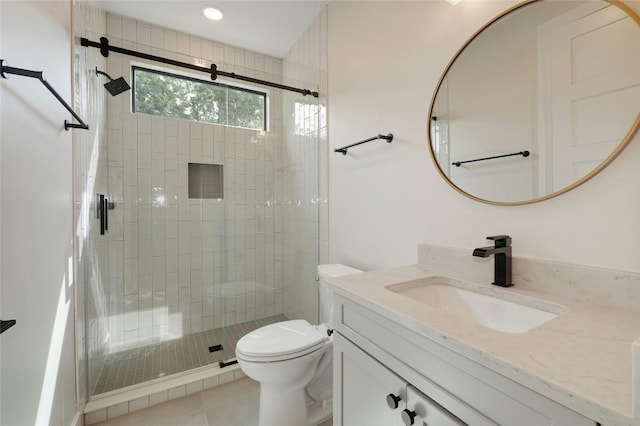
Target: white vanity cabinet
[377, 361]
[422, 410]
[375, 395]
[366, 386]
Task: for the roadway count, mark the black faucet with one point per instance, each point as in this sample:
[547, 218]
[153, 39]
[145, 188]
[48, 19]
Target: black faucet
[502, 256]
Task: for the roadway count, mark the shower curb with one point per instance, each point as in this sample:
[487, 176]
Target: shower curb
[138, 397]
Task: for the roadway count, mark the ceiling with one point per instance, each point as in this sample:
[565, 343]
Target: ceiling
[264, 26]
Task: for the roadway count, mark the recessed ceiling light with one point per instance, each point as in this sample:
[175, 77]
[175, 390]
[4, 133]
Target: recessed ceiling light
[453, 2]
[213, 13]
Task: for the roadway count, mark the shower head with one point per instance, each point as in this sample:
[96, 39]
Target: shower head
[115, 87]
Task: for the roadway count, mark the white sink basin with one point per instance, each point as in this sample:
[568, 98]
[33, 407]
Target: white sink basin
[480, 304]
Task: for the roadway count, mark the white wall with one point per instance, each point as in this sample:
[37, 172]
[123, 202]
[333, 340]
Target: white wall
[385, 59]
[37, 372]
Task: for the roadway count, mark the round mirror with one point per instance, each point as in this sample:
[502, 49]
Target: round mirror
[538, 101]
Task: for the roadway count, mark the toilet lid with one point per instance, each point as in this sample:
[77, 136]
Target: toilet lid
[279, 339]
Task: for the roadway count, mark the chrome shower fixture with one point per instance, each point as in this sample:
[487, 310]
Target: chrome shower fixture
[115, 87]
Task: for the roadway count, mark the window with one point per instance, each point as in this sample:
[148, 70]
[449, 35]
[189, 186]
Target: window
[187, 98]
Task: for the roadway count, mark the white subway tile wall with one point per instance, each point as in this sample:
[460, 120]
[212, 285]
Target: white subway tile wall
[170, 265]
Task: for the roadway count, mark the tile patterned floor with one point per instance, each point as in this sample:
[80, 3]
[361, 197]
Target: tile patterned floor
[163, 359]
[231, 404]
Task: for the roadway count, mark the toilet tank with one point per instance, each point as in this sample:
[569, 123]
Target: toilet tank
[325, 292]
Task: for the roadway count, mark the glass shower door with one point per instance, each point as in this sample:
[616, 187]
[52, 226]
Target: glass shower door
[213, 234]
[271, 220]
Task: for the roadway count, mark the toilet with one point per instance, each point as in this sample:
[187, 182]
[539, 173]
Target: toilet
[293, 362]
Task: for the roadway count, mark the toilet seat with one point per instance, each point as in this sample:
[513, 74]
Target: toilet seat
[280, 341]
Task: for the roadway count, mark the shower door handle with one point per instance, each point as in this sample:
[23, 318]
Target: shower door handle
[105, 209]
[103, 213]
[103, 206]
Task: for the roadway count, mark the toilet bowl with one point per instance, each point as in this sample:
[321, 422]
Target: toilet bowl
[293, 362]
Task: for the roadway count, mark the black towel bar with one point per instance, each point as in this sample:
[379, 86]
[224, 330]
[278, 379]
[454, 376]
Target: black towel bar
[523, 153]
[343, 150]
[5, 69]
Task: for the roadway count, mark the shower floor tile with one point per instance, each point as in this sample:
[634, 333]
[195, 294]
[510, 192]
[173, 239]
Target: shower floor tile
[162, 359]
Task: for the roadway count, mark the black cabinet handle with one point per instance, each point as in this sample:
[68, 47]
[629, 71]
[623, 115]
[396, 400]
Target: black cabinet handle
[408, 416]
[393, 400]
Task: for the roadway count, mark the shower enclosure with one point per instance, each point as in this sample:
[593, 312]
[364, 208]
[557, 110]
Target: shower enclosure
[212, 229]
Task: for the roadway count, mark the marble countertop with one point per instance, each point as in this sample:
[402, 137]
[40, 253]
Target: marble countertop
[582, 359]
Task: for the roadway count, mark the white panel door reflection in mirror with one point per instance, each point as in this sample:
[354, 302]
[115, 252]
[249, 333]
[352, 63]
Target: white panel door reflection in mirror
[593, 89]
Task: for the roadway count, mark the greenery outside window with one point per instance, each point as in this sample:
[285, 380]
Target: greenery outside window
[176, 96]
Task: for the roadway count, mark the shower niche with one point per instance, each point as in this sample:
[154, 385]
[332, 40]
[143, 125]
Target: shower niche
[206, 181]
